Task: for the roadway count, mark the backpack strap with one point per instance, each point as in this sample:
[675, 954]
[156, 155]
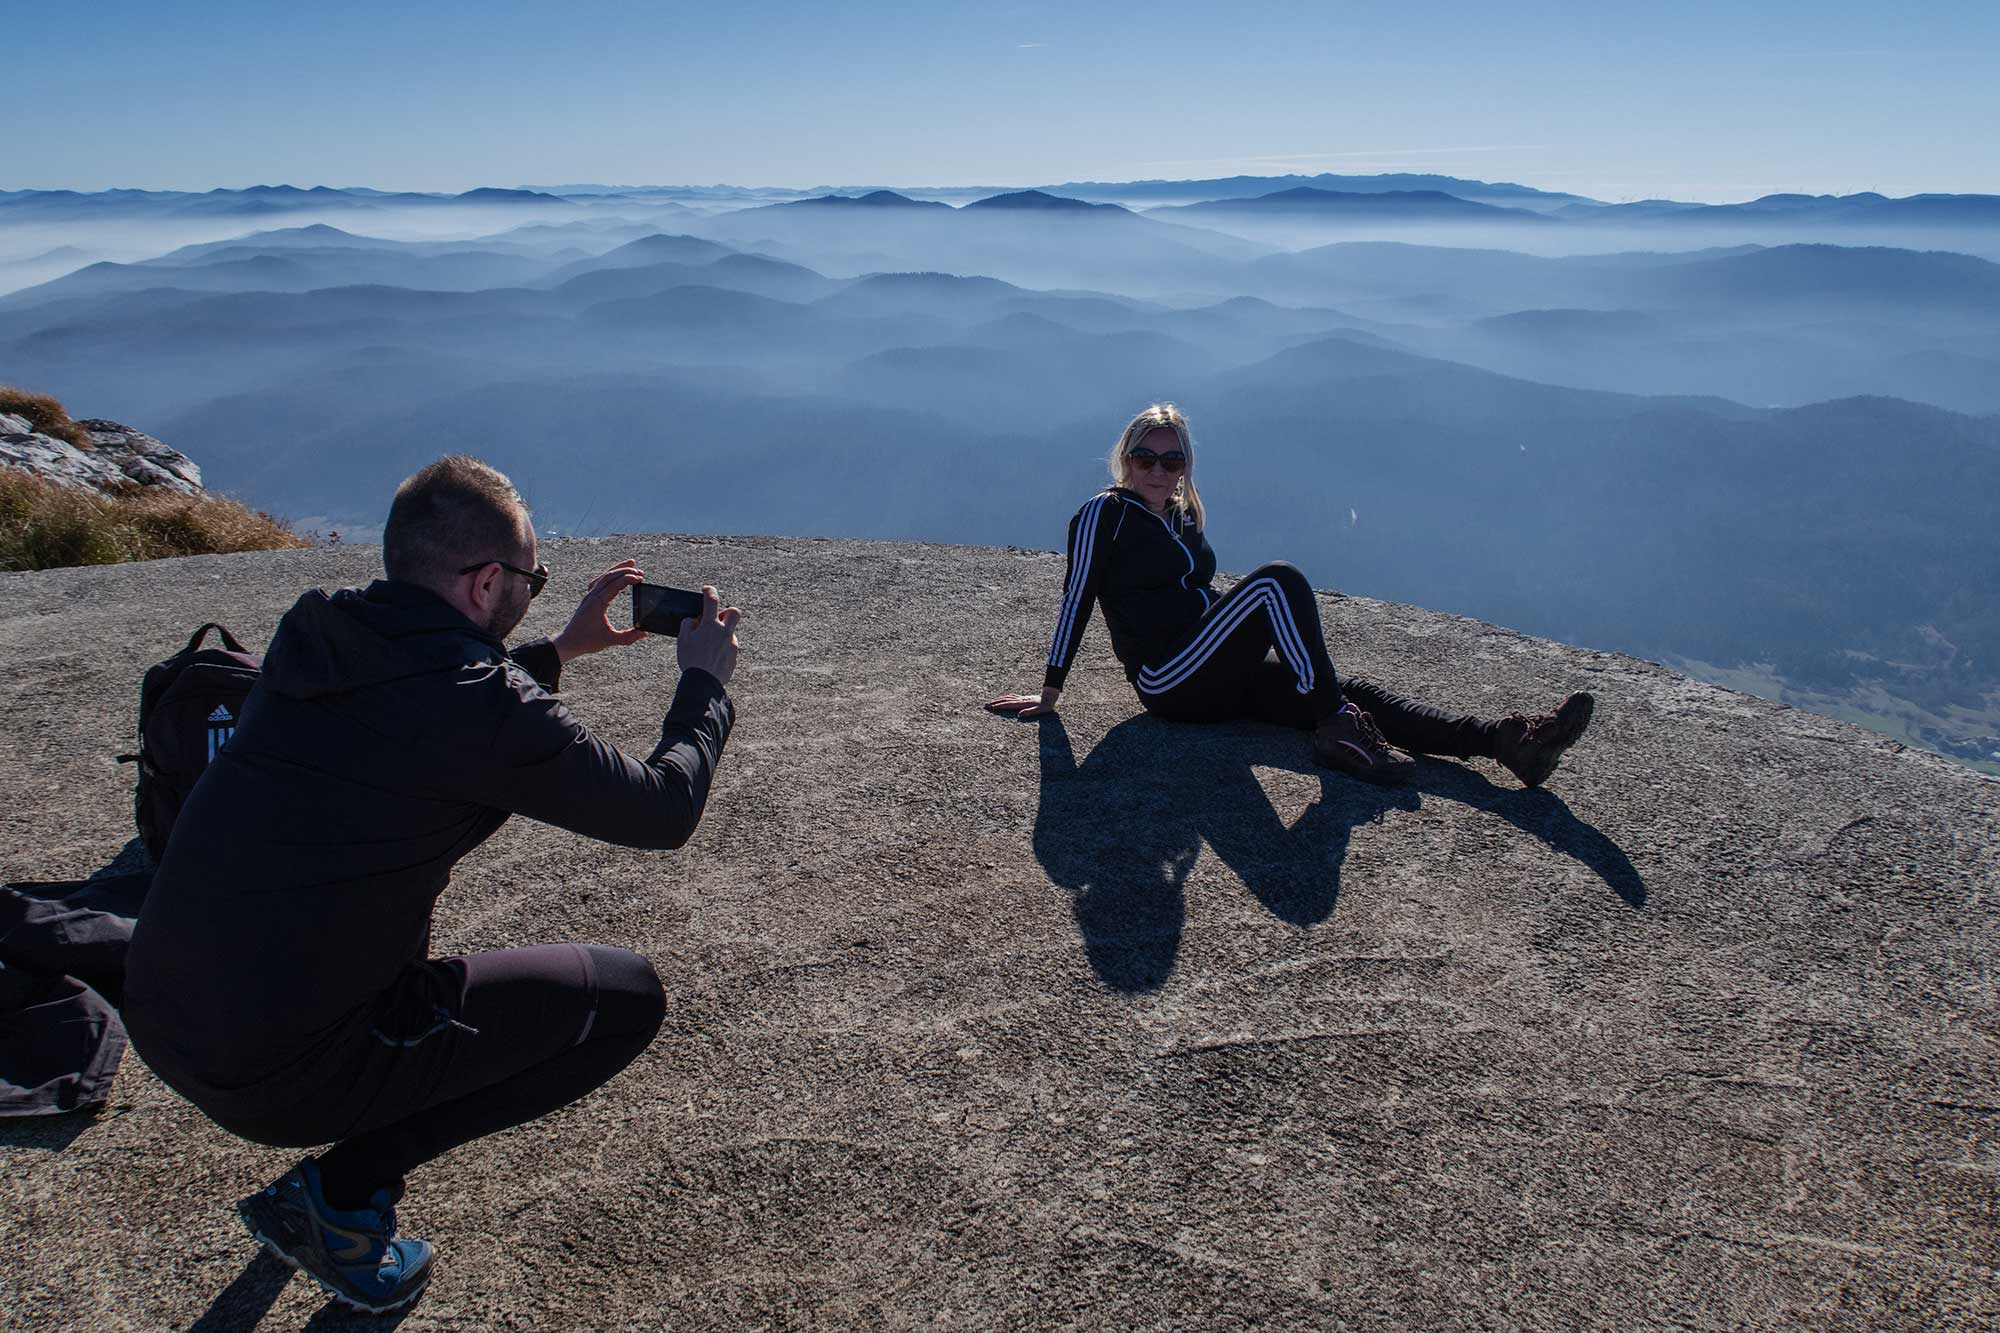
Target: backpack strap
[228, 639]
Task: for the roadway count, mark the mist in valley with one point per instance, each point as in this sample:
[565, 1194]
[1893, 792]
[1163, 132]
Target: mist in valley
[1760, 441]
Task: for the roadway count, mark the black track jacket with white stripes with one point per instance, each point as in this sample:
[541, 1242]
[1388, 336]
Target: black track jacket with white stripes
[1152, 574]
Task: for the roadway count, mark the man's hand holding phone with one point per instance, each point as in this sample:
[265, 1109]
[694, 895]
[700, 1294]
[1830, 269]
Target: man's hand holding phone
[708, 640]
[590, 630]
[705, 639]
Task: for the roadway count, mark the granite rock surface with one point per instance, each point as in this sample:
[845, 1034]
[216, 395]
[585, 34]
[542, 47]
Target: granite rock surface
[122, 459]
[1110, 1023]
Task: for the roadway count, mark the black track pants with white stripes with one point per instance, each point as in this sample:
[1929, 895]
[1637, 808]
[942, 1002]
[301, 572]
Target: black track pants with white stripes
[1259, 652]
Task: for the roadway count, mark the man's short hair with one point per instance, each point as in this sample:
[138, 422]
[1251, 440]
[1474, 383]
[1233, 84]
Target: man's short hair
[453, 513]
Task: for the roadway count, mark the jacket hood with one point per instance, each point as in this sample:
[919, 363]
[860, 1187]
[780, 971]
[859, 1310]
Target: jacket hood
[360, 637]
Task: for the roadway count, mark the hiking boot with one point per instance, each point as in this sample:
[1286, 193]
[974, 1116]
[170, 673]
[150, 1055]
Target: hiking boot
[352, 1253]
[1350, 742]
[1531, 747]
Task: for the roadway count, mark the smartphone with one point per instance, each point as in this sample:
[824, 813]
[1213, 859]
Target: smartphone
[660, 610]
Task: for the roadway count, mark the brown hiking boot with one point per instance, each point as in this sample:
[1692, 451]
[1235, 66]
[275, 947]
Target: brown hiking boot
[1350, 742]
[1531, 747]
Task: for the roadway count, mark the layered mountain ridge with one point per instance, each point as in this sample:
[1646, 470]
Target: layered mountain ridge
[1769, 459]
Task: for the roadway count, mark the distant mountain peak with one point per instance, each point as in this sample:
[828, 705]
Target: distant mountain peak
[1041, 199]
[873, 199]
[663, 240]
[490, 194]
[933, 279]
[1303, 200]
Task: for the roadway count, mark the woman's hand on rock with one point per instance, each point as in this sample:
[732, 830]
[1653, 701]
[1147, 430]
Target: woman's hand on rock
[1026, 705]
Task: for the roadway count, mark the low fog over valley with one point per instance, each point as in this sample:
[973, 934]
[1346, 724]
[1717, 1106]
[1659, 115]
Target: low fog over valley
[1761, 441]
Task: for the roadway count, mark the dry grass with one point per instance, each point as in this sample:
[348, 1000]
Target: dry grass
[44, 414]
[46, 526]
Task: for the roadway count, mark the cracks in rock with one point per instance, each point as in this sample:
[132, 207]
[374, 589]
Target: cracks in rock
[1307, 1039]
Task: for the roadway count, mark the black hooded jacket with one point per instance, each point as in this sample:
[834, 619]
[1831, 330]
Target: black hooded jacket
[387, 737]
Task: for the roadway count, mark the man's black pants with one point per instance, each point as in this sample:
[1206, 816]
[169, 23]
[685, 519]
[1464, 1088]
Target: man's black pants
[1259, 652]
[477, 1044]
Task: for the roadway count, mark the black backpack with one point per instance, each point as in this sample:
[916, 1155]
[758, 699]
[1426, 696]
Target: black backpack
[188, 706]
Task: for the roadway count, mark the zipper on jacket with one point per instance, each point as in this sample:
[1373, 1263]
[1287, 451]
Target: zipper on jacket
[1177, 541]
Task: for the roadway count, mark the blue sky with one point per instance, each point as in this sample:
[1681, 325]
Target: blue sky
[1694, 101]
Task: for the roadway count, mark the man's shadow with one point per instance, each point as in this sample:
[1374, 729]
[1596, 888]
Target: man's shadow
[1122, 830]
[245, 1301]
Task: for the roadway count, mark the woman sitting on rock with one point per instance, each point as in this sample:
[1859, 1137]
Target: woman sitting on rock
[1256, 651]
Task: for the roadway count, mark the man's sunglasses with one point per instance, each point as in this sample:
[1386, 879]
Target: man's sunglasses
[538, 577]
[1143, 459]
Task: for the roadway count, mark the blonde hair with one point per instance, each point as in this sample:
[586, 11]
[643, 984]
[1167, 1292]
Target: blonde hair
[1161, 416]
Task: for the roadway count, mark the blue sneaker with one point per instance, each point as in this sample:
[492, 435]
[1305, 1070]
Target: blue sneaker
[353, 1254]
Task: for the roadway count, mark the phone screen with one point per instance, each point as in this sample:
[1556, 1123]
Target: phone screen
[659, 610]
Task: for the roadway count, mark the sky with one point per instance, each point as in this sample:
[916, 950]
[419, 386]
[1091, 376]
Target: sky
[1618, 101]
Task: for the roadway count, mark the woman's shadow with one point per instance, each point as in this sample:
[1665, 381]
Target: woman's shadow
[1122, 830]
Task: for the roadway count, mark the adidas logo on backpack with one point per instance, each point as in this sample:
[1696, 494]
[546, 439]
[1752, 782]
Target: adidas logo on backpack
[221, 726]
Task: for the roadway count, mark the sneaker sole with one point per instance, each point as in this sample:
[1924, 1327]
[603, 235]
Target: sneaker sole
[1586, 710]
[278, 1252]
[1589, 711]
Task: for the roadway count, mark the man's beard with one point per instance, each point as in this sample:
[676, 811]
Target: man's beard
[509, 614]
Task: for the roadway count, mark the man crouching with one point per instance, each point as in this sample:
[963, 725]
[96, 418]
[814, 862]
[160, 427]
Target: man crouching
[280, 978]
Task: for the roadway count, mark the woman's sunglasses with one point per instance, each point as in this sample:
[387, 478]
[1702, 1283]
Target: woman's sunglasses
[1143, 459]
